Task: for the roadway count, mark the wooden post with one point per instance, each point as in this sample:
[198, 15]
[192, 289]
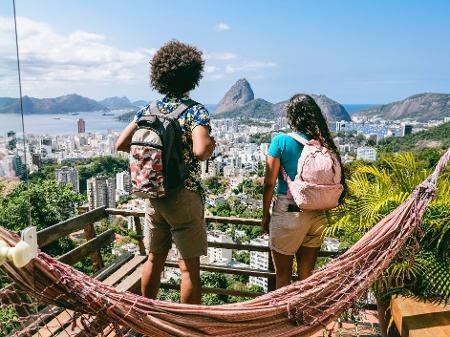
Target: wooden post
[271, 282]
[96, 257]
[89, 233]
[139, 236]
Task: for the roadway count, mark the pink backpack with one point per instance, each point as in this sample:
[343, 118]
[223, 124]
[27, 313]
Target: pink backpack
[317, 185]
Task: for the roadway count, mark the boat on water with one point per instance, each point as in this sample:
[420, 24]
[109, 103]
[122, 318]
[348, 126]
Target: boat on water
[74, 113]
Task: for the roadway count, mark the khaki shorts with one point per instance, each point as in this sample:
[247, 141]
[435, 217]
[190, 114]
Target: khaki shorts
[179, 216]
[291, 230]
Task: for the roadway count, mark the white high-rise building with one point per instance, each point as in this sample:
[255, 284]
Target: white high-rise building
[259, 260]
[68, 175]
[219, 255]
[123, 182]
[101, 191]
[366, 153]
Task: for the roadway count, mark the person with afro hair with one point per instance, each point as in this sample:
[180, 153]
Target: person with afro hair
[176, 69]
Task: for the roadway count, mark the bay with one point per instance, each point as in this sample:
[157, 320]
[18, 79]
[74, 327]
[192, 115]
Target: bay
[61, 124]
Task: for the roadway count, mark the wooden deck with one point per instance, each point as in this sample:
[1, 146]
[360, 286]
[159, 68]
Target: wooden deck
[420, 319]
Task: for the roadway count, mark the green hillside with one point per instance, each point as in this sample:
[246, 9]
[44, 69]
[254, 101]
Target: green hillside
[437, 137]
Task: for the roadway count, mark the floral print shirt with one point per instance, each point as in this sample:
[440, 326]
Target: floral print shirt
[192, 117]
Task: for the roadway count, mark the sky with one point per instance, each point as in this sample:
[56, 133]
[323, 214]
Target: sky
[353, 51]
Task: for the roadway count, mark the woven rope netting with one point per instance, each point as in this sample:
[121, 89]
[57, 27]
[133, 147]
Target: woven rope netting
[298, 309]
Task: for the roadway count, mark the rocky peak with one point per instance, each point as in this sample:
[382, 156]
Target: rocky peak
[239, 94]
[332, 110]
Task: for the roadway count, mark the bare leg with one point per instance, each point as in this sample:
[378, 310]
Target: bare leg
[283, 268]
[151, 274]
[306, 259]
[190, 281]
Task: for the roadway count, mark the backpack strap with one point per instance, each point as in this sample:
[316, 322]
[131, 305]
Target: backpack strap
[154, 110]
[298, 138]
[181, 108]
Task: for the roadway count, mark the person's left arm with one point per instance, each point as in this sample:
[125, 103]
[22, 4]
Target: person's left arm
[202, 143]
[272, 168]
[123, 143]
[124, 140]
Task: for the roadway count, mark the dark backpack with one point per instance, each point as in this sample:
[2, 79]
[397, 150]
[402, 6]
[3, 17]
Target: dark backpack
[156, 153]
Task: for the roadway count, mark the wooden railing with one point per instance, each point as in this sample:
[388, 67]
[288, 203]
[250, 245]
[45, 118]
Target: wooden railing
[94, 243]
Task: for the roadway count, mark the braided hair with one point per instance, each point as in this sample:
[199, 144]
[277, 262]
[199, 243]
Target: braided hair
[304, 115]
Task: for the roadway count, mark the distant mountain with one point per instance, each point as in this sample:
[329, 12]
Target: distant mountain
[116, 103]
[7, 101]
[420, 107]
[260, 108]
[140, 103]
[238, 95]
[332, 110]
[61, 104]
[257, 108]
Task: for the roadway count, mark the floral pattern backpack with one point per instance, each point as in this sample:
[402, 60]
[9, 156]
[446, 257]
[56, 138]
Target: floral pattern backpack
[156, 155]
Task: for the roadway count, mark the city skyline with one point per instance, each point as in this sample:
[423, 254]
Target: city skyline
[353, 52]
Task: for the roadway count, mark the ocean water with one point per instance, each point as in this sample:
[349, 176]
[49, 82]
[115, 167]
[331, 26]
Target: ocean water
[65, 124]
[60, 124]
[351, 108]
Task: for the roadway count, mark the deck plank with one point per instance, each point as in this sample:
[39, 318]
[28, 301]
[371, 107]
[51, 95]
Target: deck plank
[420, 319]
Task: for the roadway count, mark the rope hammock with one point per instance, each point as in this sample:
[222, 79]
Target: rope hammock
[298, 309]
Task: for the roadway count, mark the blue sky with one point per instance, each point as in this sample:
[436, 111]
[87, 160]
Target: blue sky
[352, 51]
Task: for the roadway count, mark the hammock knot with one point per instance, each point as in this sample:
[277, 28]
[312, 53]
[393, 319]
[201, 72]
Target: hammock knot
[427, 188]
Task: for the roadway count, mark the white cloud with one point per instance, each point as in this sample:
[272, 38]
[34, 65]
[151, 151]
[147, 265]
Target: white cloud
[211, 69]
[248, 66]
[79, 56]
[224, 56]
[222, 26]
[85, 62]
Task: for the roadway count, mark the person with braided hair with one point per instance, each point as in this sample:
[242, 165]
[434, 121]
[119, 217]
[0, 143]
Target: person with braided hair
[293, 231]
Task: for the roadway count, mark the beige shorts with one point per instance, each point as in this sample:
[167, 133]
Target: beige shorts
[288, 231]
[179, 216]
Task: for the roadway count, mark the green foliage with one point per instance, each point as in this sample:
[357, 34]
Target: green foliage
[170, 295]
[101, 166]
[234, 207]
[215, 185]
[438, 134]
[259, 138]
[85, 266]
[242, 256]
[87, 168]
[123, 199]
[45, 203]
[377, 189]
[9, 320]
[251, 187]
